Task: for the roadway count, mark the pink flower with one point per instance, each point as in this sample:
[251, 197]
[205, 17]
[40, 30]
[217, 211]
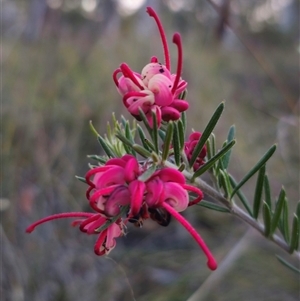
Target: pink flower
[90, 223]
[114, 185]
[189, 147]
[116, 189]
[155, 89]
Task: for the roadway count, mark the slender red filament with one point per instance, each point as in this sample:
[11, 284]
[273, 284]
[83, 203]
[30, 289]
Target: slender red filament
[211, 262]
[177, 41]
[57, 216]
[153, 14]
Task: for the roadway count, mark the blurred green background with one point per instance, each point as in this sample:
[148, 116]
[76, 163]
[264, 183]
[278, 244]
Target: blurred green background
[57, 61]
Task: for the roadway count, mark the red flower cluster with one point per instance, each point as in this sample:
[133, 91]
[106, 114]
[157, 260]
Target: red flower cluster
[119, 184]
[155, 89]
[189, 147]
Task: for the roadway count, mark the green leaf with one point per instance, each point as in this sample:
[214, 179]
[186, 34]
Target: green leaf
[125, 141]
[143, 138]
[294, 244]
[167, 141]
[285, 221]
[184, 122]
[148, 173]
[213, 144]
[93, 128]
[213, 160]
[230, 137]
[257, 166]
[176, 145]
[141, 150]
[267, 216]
[109, 152]
[258, 191]
[287, 264]
[278, 210]
[180, 133]
[81, 179]
[267, 191]
[213, 206]
[208, 148]
[145, 121]
[162, 134]
[225, 183]
[155, 132]
[241, 196]
[206, 133]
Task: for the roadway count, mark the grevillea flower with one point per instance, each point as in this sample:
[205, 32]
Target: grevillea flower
[114, 185]
[90, 223]
[189, 147]
[120, 184]
[155, 89]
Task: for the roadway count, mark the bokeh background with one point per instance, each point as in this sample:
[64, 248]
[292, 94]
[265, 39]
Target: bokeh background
[57, 61]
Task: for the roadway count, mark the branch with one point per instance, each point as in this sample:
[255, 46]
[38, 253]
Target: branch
[234, 209]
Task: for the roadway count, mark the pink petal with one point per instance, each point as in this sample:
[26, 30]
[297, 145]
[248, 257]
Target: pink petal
[114, 231]
[131, 170]
[154, 191]
[176, 196]
[152, 69]
[134, 103]
[169, 113]
[114, 175]
[180, 105]
[137, 189]
[119, 197]
[171, 175]
[161, 86]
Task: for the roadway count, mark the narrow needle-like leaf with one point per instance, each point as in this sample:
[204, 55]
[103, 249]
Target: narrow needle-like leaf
[162, 134]
[155, 132]
[176, 145]
[230, 137]
[206, 133]
[278, 210]
[225, 183]
[110, 153]
[267, 191]
[143, 137]
[145, 120]
[184, 122]
[180, 133]
[267, 218]
[295, 234]
[213, 160]
[81, 179]
[208, 147]
[141, 150]
[258, 191]
[285, 221]
[257, 166]
[167, 141]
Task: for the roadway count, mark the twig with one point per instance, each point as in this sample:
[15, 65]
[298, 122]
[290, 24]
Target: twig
[235, 210]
